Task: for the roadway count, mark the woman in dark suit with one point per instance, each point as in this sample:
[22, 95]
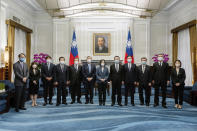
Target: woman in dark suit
[34, 76]
[178, 80]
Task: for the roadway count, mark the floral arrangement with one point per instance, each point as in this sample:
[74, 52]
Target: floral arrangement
[155, 57]
[40, 58]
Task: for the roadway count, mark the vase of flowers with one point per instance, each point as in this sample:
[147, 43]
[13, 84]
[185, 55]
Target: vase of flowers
[40, 59]
[155, 57]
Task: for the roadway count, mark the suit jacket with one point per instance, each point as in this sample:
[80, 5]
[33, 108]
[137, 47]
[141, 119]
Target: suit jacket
[104, 50]
[161, 73]
[102, 75]
[86, 73]
[45, 72]
[61, 76]
[144, 78]
[20, 73]
[130, 76]
[180, 78]
[75, 76]
[34, 77]
[114, 75]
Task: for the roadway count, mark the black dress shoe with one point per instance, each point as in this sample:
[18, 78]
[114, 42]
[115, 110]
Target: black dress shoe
[91, 102]
[103, 104]
[16, 110]
[79, 102]
[86, 102]
[141, 104]
[164, 106]
[50, 103]
[125, 104]
[64, 103]
[72, 102]
[120, 104]
[57, 104]
[44, 104]
[22, 108]
[155, 105]
[147, 104]
[133, 104]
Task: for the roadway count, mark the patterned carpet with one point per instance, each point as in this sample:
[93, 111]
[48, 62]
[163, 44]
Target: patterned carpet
[100, 118]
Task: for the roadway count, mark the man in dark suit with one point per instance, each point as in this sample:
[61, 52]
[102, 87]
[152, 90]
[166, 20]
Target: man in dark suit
[21, 75]
[144, 81]
[116, 79]
[161, 78]
[47, 72]
[75, 75]
[130, 80]
[61, 80]
[100, 47]
[89, 75]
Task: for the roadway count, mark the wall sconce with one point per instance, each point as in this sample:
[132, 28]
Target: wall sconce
[6, 55]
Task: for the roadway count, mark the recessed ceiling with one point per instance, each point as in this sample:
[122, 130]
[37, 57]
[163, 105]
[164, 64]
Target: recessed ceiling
[126, 8]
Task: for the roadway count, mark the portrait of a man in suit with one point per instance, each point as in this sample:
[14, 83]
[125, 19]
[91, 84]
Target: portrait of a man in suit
[101, 44]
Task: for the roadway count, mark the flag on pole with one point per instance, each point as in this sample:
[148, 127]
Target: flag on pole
[73, 50]
[129, 48]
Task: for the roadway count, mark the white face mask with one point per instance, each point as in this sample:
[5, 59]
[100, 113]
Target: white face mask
[116, 61]
[143, 62]
[102, 64]
[129, 60]
[34, 66]
[76, 62]
[160, 58]
[49, 61]
[89, 60]
[62, 62]
[177, 65]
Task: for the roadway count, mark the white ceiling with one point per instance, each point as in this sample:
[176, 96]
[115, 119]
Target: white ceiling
[129, 8]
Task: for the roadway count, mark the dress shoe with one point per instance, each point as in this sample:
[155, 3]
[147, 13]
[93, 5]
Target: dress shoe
[72, 102]
[103, 104]
[64, 103]
[16, 110]
[57, 104]
[147, 104]
[50, 103]
[112, 104]
[22, 108]
[155, 105]
[86, 102]
[44, 104]
[91, 102]
[141, 104]
[120, 104]
[164, 106]
[132, 104]
[125, 104]
[79, 101]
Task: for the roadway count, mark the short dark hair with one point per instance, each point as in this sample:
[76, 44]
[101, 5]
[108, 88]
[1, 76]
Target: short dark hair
[143, 58]
[48, 57]
[116, 57]
[88, 57]
[61, 58]
[179, 62]
[101, 61]
[19, 55]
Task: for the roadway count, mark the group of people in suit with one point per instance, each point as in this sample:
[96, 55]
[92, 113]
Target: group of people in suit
[132, 76]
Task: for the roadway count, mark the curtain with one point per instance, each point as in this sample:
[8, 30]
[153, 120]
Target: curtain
[184, 55]
[19, 45]
[193, 45]
[174, 46]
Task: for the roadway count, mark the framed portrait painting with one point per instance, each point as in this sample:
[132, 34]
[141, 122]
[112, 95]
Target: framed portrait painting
[101, 44]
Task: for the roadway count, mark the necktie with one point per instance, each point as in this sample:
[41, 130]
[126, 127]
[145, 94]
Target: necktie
[143, 68]
[129, 66]
[89, 68]
[117, 67]
[62, 67]
[48, 66]
[76, 67]
[102, 69]
[21, 65]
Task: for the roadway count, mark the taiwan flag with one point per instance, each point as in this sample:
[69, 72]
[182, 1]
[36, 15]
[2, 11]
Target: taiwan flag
[129, 48]
[73, 50]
